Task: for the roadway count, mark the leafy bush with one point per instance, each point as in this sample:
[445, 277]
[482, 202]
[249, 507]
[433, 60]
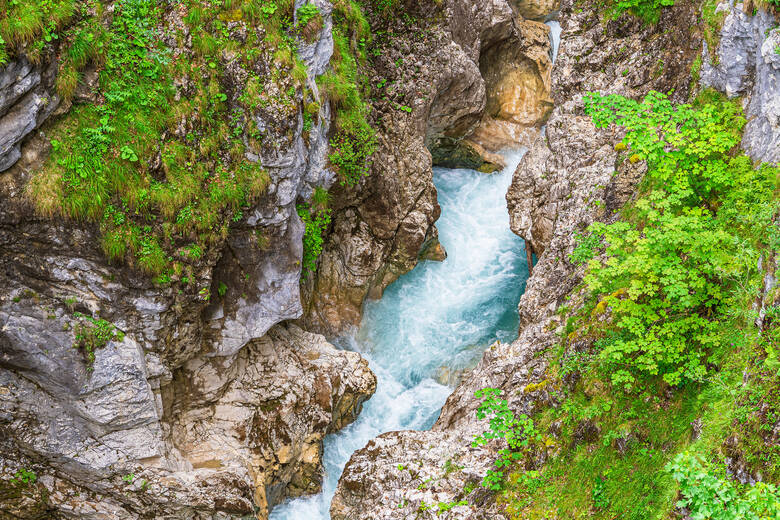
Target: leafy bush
[666, 273]
[316, 221]
[518, 432]
[710, 496]
[306, 13]
[647, 10]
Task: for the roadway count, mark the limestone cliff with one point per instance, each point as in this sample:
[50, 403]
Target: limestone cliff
[184, 398]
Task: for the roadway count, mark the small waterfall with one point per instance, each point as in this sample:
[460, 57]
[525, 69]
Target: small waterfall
[432, 322]
[555, 37]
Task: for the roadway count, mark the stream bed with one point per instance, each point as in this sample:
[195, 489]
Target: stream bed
[432, 323]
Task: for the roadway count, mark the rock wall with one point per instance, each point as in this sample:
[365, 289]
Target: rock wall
[570, 177]
[27, 98]
[197, 407]
[225, 437]
[747, 64]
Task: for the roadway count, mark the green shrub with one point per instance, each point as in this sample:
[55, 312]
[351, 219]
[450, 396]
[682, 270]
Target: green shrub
[647, 10]
[306, 13]
[316, 221]
[667, 273]
[518, 432]
[708, 495]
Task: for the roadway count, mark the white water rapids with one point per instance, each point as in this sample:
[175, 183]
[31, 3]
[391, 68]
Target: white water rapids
[435, 320]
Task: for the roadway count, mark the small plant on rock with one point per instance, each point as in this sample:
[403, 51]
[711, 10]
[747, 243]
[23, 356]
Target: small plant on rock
[24, 477]
[316, 221]
[518, 432]
[94, 333]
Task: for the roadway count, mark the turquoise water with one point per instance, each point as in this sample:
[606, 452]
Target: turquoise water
[433, 321]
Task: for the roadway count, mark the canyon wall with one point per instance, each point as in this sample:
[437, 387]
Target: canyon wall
[200, 404]
[452, 86]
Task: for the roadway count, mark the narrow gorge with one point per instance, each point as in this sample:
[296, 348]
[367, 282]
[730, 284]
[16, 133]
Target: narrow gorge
[389, 259]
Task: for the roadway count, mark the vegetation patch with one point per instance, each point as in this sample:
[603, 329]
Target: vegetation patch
[161, 169]
[159, 163]
[647, 10]
[518, 432]
[708, 492]
[354, 139]
[712, 22]
[92, 334]
[666, 274]
[316, 218]
[309, 21]
[29, 25]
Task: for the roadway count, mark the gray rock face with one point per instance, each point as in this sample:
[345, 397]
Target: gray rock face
[748, 65]
[565, 182]
[226, 435]
[27, 98]
[317, 55]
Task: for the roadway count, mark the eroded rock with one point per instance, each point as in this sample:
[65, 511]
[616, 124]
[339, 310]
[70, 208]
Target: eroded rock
[226, 435]
[748, 65]
[27, 98]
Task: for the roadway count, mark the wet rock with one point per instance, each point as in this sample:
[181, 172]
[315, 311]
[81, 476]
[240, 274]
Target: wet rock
[517, 79]
[268, 410]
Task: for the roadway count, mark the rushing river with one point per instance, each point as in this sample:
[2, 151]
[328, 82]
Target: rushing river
[432, 322]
